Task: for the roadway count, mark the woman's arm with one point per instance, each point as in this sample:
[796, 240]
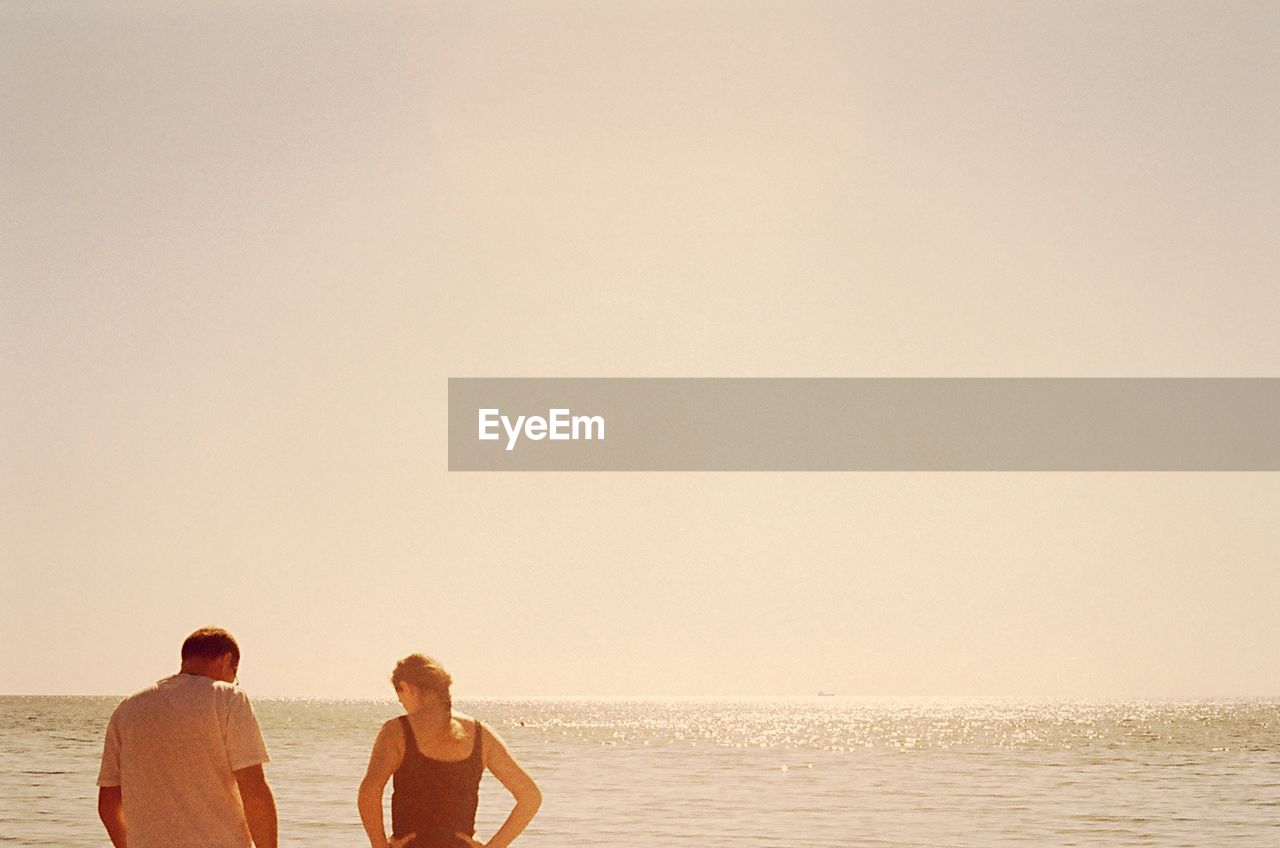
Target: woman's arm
[388, 751]
[504, 767]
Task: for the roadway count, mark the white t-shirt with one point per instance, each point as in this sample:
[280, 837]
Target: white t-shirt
[172, 749]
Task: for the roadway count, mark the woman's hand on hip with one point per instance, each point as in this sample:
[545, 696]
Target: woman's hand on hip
[470, 840]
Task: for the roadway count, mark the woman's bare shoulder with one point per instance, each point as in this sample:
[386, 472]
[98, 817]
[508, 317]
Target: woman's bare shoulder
[488, 736]
[390, 731]
[464, 725]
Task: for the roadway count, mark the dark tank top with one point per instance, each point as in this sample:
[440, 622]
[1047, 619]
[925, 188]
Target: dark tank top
[435, 799]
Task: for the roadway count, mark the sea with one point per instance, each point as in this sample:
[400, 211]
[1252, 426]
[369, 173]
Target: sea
[803, 772]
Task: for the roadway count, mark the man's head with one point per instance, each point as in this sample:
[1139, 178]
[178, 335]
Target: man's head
[211, 652]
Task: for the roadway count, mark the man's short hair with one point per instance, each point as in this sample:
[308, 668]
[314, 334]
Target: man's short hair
[210, 643]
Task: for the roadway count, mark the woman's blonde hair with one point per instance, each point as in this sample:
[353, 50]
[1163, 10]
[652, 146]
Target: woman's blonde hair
[425, 673]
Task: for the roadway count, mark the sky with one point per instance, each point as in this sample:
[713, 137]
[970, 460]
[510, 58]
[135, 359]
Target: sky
[242, 249]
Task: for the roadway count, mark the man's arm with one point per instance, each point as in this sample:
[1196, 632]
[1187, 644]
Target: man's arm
[111, 811]
[259, 806]
[110, 797]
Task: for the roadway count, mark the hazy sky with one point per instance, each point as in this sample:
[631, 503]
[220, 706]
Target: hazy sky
[243, 249]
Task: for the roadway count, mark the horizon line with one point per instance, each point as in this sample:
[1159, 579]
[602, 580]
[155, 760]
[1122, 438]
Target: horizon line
[710, 697]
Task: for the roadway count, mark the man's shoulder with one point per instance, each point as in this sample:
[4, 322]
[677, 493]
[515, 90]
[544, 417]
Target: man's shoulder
[223, 696]
[142, 696]
[180, 689]
[226, 690]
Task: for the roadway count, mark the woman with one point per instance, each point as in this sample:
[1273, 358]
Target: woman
[437, 757]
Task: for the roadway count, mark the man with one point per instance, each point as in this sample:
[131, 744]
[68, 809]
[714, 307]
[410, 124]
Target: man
[182, 764]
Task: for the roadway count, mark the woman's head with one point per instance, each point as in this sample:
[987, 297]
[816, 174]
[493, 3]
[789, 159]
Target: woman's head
[420, 677]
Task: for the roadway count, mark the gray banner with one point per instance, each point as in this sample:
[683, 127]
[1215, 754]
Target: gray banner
[812, 424]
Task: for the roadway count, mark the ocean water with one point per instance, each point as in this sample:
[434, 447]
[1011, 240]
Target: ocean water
[804, 772]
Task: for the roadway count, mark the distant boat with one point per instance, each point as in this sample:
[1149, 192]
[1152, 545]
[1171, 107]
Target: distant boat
[822, 694]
